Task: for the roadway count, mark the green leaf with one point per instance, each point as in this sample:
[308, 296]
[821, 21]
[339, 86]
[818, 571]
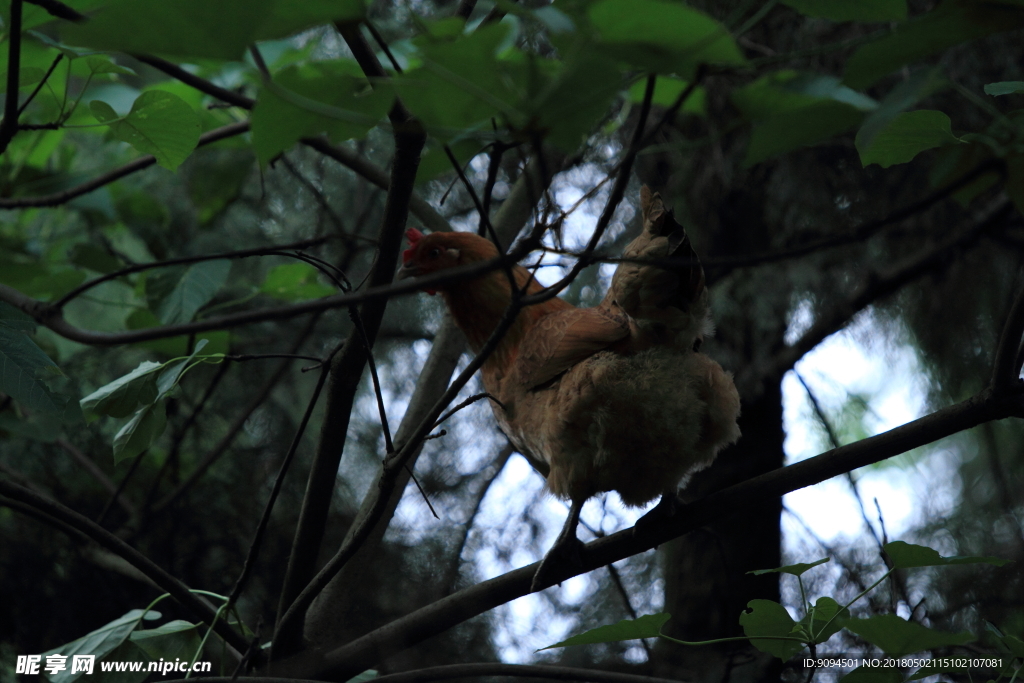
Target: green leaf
[124, 395]
[172, 374]
[195, 28]
[826, 611]
[198, 285]
[905, 137]
[665, 37]
[907, 555]
[90, 256]
[667, 90]
[160, 123]
[768, 618]
[851, 10]
[950, 24]
[100, 642]
[462, 85]
[367, 675]
[311, 99]
[1004, 88]
[15, 319]
[174, 640]
[295, 282]
[124, 655]
[898, 637]
[921, 84]
[102, 65]
[140, 432]
[802, 127]
[872, 674]
[647, 626]
[794, 569]
[26, 371]
[793, 110]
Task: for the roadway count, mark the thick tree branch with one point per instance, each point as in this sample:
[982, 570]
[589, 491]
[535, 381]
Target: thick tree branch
[348, 366]
[200, 609]
[362, 653]
[877, 286]
[1005, 369]
[9, 124]
[200, 84]
[327, 614]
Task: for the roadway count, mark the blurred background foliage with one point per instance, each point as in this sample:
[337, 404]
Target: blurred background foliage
[773, 150]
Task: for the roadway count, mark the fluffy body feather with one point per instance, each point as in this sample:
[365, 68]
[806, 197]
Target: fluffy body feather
[610, 398]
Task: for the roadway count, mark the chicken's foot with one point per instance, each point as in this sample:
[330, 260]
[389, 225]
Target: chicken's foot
[667, 508]
[565, 551]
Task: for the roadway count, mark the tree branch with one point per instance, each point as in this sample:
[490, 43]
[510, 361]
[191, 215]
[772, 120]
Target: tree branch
[347, 369]
[362, 653]
[9, 124]
[200, 609]
[877, 286]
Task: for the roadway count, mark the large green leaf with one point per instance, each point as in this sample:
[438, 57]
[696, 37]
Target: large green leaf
[26, 373]
[174, 640]
[160, 123]
[665, 37]
[907, 135]
[140, 432]
[197, 286]
[124, 395]
[647, 626]
[851, 10]
[667, 90]
[196, 28]
[295, 282]
[950, 24]
[802, 127]
[792, 110]
[100, 642]
[462, 85]
[768, 618]
[825, 619]
[904, 96]
[1004, 88]
[907, 555]
[896, 636]
[311, 99]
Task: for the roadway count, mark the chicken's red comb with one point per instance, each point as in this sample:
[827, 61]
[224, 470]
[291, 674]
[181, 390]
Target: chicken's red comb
[414, 236]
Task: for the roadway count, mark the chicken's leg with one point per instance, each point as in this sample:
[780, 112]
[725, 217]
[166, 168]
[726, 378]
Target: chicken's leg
[667, 508]
[566, 550]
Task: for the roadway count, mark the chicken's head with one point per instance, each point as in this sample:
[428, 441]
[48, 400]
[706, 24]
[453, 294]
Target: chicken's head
[428, 254]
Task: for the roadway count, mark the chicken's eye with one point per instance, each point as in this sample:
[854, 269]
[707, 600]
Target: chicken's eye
[434, 253]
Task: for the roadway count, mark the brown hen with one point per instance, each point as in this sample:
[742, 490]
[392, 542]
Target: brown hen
[611, 398]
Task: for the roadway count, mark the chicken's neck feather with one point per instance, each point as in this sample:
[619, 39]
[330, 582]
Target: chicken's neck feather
[478, 306]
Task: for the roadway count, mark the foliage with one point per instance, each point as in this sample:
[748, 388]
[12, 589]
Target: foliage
[769, 627]
[768, 123]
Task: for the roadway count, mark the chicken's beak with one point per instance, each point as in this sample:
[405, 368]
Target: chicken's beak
[408, 270]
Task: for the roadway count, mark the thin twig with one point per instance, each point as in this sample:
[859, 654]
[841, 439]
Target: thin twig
[39, 86]
[469, 401]
[184, 260]
[261, 528]
[58, 198]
